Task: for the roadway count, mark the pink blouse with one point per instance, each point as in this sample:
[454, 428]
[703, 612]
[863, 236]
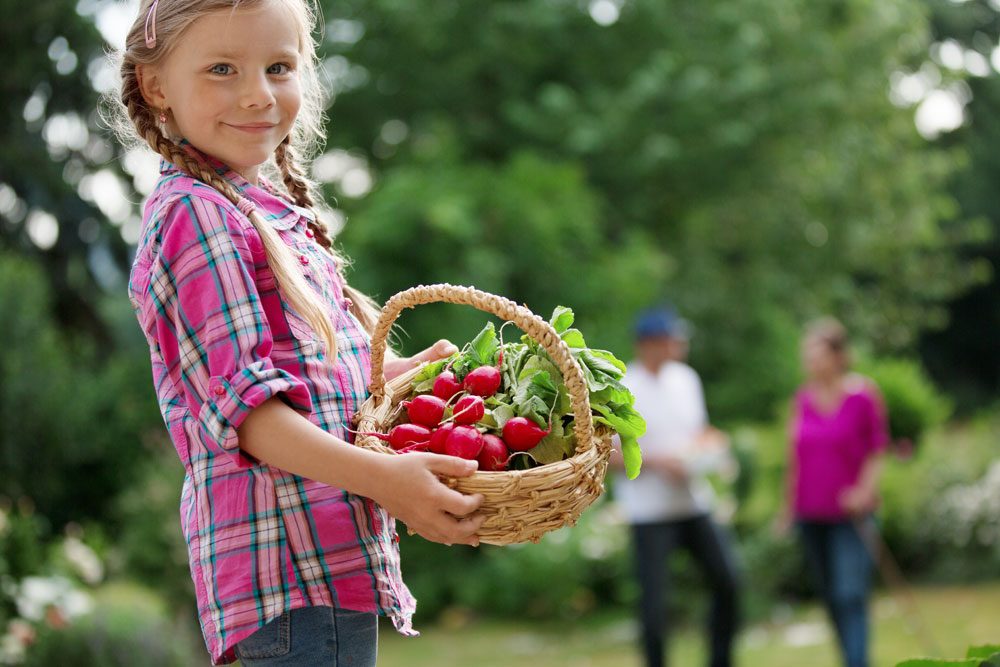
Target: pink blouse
[830, 449]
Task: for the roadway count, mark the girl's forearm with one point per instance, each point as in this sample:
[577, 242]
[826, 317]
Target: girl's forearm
[407, 487]
[317, 455]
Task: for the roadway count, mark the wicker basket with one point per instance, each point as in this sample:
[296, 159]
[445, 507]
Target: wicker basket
[519, 505]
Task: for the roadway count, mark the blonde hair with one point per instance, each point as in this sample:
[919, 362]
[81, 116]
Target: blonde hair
[135, 123]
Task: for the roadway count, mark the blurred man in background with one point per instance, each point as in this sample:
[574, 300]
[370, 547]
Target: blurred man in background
[669, 505]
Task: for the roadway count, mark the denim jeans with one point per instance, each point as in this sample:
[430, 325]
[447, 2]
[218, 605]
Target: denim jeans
[708, 544]
[842, 568]
[313, 637]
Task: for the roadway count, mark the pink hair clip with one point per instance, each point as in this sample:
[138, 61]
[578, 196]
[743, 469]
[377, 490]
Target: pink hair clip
[151, 23]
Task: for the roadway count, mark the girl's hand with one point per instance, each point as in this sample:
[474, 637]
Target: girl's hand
[398, 366]
[410, 490]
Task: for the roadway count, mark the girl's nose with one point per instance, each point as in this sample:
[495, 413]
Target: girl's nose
[257, 92]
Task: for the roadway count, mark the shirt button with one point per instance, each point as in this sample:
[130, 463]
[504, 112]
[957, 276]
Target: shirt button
[303, 260]
[219, 390]
[395, 538]
[310, 233]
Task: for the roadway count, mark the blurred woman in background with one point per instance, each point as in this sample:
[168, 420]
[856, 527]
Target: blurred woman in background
[838, 432]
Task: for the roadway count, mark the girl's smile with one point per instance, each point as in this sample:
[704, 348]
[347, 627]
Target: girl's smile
[231, 84]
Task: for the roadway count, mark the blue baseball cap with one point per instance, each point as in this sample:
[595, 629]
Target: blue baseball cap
[662, 321]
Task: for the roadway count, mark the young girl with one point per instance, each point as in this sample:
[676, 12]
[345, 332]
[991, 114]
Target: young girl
[260, 350]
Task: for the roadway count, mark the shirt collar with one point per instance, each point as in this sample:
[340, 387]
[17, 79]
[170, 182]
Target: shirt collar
[273, 206]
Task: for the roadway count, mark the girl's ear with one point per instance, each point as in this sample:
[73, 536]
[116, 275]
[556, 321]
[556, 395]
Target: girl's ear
[151, 86]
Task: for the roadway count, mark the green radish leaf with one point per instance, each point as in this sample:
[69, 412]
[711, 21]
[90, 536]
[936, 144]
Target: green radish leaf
[601, 364]
[535, 393]
[432, 370]
[534, 364]
[562, 319]
[556, 446]
[423, 387]
[632, 456]
[934, 662]
[532, 345]
[514, 356]
[611, 359]
[573, 338]
[549, 450]
[488, 420]
[985, 651]
[502, 414]
[497, 399]
[484, 346]
[622, 418]
[535, 409]
[599, 373]
[564, 405]
[613, 393]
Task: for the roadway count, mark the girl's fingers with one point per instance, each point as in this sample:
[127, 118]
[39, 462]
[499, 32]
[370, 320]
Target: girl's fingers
[441, 349]
[451, 466]
[458, 504]
[459, 531]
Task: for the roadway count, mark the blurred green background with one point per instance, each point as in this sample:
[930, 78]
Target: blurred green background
[756, 162]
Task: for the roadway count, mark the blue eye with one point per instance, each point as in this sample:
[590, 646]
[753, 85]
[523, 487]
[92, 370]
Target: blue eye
[220, 68]
[279, 68]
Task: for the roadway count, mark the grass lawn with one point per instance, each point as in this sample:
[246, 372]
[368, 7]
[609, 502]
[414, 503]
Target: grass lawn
[955, 616]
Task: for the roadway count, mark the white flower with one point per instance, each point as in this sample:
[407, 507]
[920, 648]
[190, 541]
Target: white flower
[11, 650]
[84, 560]
[76, 603]
[36, 594]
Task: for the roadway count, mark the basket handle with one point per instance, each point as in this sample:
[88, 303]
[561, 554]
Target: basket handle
[533, 325]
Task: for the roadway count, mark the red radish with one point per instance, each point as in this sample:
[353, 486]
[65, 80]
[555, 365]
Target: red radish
[493, 456]
[425, 410]
[464, 442]
[404, 435]
[439, 437]
[483, 381]
[521, 434]
[469, 410]
[446, 386]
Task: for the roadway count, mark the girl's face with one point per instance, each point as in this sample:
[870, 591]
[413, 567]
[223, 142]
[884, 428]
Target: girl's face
[231, 84]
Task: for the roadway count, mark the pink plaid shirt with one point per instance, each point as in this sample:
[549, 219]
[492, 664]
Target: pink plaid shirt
[222, 341]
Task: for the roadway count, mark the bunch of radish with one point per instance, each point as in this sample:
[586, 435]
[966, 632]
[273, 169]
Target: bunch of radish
[507, 404]
[446, 421]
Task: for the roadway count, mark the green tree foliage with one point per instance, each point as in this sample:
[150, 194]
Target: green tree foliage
[70, 426]
[52, 140]
[752, 144]
[965, 356]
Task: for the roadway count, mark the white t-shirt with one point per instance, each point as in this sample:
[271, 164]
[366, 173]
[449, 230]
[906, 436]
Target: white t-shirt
[673, 404]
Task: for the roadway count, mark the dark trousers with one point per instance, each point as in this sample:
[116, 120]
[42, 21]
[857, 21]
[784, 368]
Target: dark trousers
[708, 544]
[842, 568]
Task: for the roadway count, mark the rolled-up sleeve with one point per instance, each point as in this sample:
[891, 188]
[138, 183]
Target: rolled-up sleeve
[213, 334]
